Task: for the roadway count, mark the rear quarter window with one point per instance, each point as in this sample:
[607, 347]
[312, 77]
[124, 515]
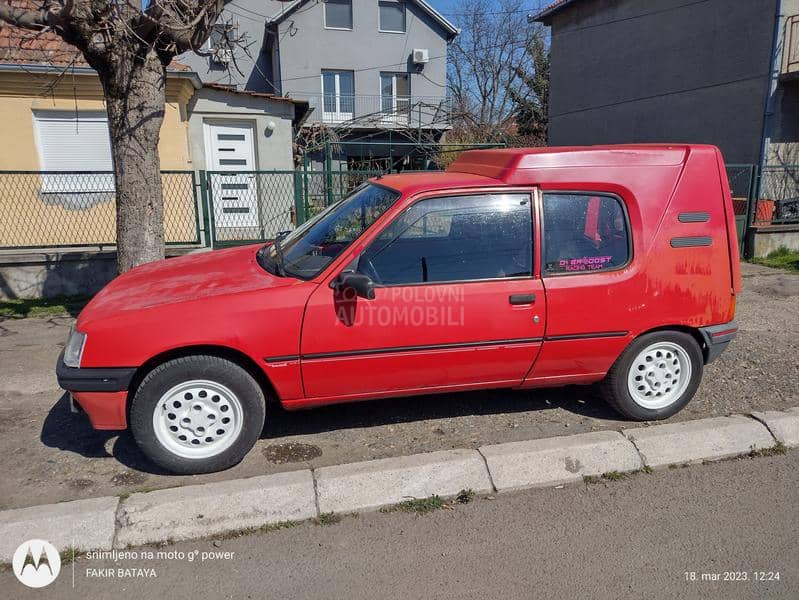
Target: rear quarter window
[584, 233]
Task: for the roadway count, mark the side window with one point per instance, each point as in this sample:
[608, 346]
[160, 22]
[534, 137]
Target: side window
[457, 238]
[584, 233]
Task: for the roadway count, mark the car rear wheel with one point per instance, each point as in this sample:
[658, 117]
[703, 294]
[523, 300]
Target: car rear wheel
[655, 377]
[197, 414]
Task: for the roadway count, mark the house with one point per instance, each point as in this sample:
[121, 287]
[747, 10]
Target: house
[57, 190]
[718, 72]
[373, 71]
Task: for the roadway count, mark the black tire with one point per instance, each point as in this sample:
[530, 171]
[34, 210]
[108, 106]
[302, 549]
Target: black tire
[614, 388]
[174, 372]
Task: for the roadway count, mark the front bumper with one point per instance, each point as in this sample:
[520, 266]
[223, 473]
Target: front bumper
[717, 338]
[101, 379]
[101, 392]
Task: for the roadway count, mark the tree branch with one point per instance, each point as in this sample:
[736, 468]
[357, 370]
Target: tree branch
[29, 19]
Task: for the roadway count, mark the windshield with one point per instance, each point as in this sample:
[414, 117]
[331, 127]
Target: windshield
[307, 250]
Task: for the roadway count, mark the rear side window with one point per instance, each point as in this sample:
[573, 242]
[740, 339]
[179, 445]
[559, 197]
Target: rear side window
[584, 233]
[460, 238]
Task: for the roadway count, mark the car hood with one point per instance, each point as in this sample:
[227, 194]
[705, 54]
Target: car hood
[182, 279]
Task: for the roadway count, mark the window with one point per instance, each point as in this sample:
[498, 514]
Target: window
[338, 89]
[584, 233]
[394, 97]
[454, 239]
[219, 43]
[338, 14]
[74, 141]
[392, 16]
[315, 244]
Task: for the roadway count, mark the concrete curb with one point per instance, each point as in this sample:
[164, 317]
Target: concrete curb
[197, 511]
[558, 460]
[376, 483]
[85, 524]
[784, 426]
[194, 511]
[695, 441]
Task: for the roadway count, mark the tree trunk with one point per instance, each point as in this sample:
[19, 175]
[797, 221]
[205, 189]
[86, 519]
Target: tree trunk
[135, 96]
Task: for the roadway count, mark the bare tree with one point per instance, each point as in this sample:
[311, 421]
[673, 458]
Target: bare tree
[130, 46]
[531, 98]
[483, 63]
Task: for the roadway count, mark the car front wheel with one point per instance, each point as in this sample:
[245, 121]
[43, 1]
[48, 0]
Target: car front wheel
[655, 377]
[197, 414]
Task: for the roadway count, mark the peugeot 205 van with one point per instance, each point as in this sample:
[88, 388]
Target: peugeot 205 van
[518, 268]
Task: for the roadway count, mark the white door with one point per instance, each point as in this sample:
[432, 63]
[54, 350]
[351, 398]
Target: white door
[338, 91]
[394, 97]
[229, 148]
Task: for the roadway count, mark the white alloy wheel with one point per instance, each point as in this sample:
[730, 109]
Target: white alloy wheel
[659, 375]
[198, 419]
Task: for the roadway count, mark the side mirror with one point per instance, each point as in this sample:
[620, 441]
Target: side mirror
[357, 282]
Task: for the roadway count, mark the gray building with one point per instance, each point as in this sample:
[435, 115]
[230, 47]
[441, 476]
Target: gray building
[661, 71]
[373, 71]
[723, 72]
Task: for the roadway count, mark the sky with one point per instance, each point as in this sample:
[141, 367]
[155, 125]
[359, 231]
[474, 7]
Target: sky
[450, 8]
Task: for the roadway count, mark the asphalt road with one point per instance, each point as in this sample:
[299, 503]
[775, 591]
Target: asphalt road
[641, 537]
[49, 455]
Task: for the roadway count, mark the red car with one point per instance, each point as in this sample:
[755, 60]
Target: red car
[516, 268]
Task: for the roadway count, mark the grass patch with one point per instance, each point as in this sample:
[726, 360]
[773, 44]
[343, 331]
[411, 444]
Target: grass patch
[250, 530]
[68, 555]
[143, 490]
[420, 506]
[647, 469]
[613, 476]
[781, 258]
[464, 496]
[56, 306]
[776, 450]
[609, 476]
[327, 519]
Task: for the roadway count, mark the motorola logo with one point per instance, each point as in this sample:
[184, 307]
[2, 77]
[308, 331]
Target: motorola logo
[36, 563]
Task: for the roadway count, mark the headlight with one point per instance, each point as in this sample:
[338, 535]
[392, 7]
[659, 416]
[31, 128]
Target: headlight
[74, 350]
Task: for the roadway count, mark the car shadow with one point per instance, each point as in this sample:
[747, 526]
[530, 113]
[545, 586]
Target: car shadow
[72, 432]
[580, 400]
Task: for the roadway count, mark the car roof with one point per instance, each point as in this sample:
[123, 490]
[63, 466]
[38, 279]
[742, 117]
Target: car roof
[531, 166]
[422, 181]
[509, 164]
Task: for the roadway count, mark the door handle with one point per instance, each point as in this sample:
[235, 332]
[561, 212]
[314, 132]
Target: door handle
[521, 299]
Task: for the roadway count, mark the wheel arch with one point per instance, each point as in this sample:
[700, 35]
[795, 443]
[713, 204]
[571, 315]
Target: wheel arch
[231, 354]
[692, 331]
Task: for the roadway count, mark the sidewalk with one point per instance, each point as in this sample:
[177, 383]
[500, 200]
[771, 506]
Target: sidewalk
[192, 512]
[639, 537]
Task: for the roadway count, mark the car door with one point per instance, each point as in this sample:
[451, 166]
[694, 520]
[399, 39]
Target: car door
[456, 304]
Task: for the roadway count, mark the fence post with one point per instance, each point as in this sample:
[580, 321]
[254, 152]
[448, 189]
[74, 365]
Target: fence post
[754, 187]
[329, 173]
[306, 206]
[208, 211]
[299, 204]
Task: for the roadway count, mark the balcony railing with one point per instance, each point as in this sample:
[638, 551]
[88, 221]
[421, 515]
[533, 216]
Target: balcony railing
[360, 110]
[790, 47]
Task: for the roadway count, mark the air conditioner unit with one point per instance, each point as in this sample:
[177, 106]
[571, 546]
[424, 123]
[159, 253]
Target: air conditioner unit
[421, 56]
[222, 55]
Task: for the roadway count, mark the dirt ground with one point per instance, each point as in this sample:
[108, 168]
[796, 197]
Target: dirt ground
[49, 455]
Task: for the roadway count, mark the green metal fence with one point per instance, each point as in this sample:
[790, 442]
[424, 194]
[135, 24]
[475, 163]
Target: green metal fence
[764, 196]
[778, 197]
[48, 209]
[251, 206]
[40, 209]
